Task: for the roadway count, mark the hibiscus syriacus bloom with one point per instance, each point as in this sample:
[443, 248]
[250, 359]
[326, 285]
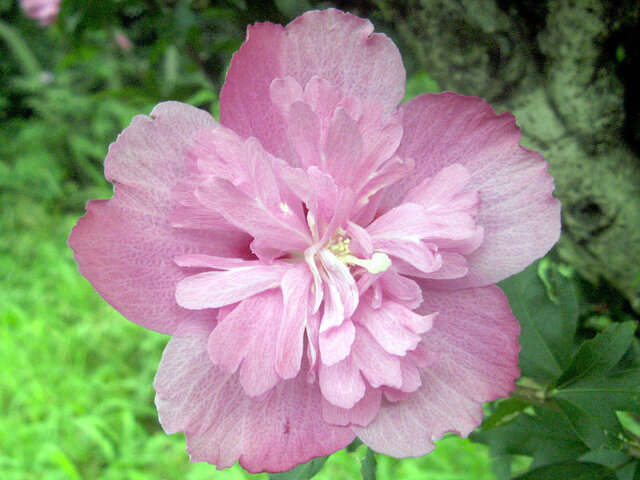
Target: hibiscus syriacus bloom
[323, 259]
[46, 11]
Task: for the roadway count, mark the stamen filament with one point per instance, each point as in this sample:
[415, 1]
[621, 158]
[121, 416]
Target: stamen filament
[378, 263]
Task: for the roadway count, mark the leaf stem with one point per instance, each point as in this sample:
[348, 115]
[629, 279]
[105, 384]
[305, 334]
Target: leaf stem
[533, 393]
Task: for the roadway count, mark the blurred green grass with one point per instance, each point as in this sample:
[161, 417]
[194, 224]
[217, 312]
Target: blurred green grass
[76, 378]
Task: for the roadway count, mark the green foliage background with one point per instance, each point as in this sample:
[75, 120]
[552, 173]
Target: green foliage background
[76, 378]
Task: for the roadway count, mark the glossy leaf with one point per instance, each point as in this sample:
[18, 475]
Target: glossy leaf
[548, 314]
[546, 436]
[353, 446]
[369, 466]
[301, 472]
[570, 470]
[624, 465]
[604, 376]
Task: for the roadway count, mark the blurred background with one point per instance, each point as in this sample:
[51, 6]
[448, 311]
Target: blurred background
[76, 378]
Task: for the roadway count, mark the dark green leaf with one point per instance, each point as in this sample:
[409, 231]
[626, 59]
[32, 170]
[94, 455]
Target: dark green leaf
[570, 471]
[501, 466]
[546, 436]
[301, 472]
[368, 469]
[603, 377]
[17, 46]
[353, 446]
[622, 463]
[548, 314]
[596, 357]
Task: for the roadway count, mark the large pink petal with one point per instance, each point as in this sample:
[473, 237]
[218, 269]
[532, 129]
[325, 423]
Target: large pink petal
[274, 432]
[521, 219]
[333, 45]
[342, 49]
[245, 99]
[196, 260]
[125, 246]
[476, 336]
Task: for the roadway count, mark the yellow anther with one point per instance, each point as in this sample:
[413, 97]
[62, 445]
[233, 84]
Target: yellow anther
[340, 247]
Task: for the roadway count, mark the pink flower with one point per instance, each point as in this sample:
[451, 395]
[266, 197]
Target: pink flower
[45, 11]
[324, 260]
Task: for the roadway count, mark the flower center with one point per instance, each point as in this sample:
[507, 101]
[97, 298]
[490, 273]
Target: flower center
[378, 263]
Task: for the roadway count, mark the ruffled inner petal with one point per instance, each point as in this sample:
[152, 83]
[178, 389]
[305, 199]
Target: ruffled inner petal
[340, 278]
[247, 336]
[336, 342]
[235, 182]
[296, 283]
[304, 134]
[396, 328]
[341, 383]
[377, 365]
[362, 413]
[216, 289]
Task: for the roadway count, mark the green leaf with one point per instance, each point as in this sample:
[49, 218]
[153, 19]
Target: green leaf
[501, 467]
[17, 46]
[301, 472]
[603, 377]
[353, 446]
[547, 436]
[624, 465]
[368, 468]
[545, 304]
[570, 471]
[630, 423]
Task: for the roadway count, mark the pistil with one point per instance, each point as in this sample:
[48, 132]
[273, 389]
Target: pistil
[378, 263]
